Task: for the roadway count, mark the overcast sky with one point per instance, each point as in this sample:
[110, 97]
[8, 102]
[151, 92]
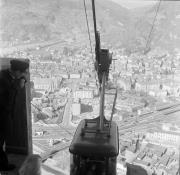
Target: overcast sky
[134, 3]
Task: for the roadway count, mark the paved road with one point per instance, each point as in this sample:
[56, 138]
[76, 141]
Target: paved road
[67, 114]
[54, 150]
[51, 171]
[67, 117]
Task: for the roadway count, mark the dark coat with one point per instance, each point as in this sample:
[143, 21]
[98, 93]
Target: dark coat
[8, 91]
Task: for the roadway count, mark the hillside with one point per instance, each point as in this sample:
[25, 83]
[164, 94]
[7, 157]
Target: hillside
[166, 32]
[43, 20]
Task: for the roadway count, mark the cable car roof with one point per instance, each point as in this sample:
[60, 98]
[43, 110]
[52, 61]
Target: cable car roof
[95, 144]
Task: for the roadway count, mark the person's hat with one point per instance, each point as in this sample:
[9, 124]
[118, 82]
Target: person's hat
[19, 65]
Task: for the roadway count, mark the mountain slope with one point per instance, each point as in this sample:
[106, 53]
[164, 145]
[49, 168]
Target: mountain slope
[166, 33]
[40, 20]
[43, 19]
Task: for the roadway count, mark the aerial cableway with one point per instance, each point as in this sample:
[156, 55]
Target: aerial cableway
[95, 145]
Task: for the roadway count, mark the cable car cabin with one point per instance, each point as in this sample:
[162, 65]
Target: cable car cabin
[94, 151]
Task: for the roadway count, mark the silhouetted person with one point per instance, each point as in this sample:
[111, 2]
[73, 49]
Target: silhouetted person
[11, 81]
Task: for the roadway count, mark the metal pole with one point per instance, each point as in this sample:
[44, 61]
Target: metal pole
[102, 98]
[113, 108]
[96, 34]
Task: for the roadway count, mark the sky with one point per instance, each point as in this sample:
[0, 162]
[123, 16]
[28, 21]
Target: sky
[134, 3]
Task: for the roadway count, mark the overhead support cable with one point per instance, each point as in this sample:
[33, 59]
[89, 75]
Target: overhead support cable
[88, 28]
[89, 35]
[150, 33]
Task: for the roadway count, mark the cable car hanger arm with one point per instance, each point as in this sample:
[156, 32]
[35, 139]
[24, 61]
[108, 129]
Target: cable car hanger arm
[103, 61]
